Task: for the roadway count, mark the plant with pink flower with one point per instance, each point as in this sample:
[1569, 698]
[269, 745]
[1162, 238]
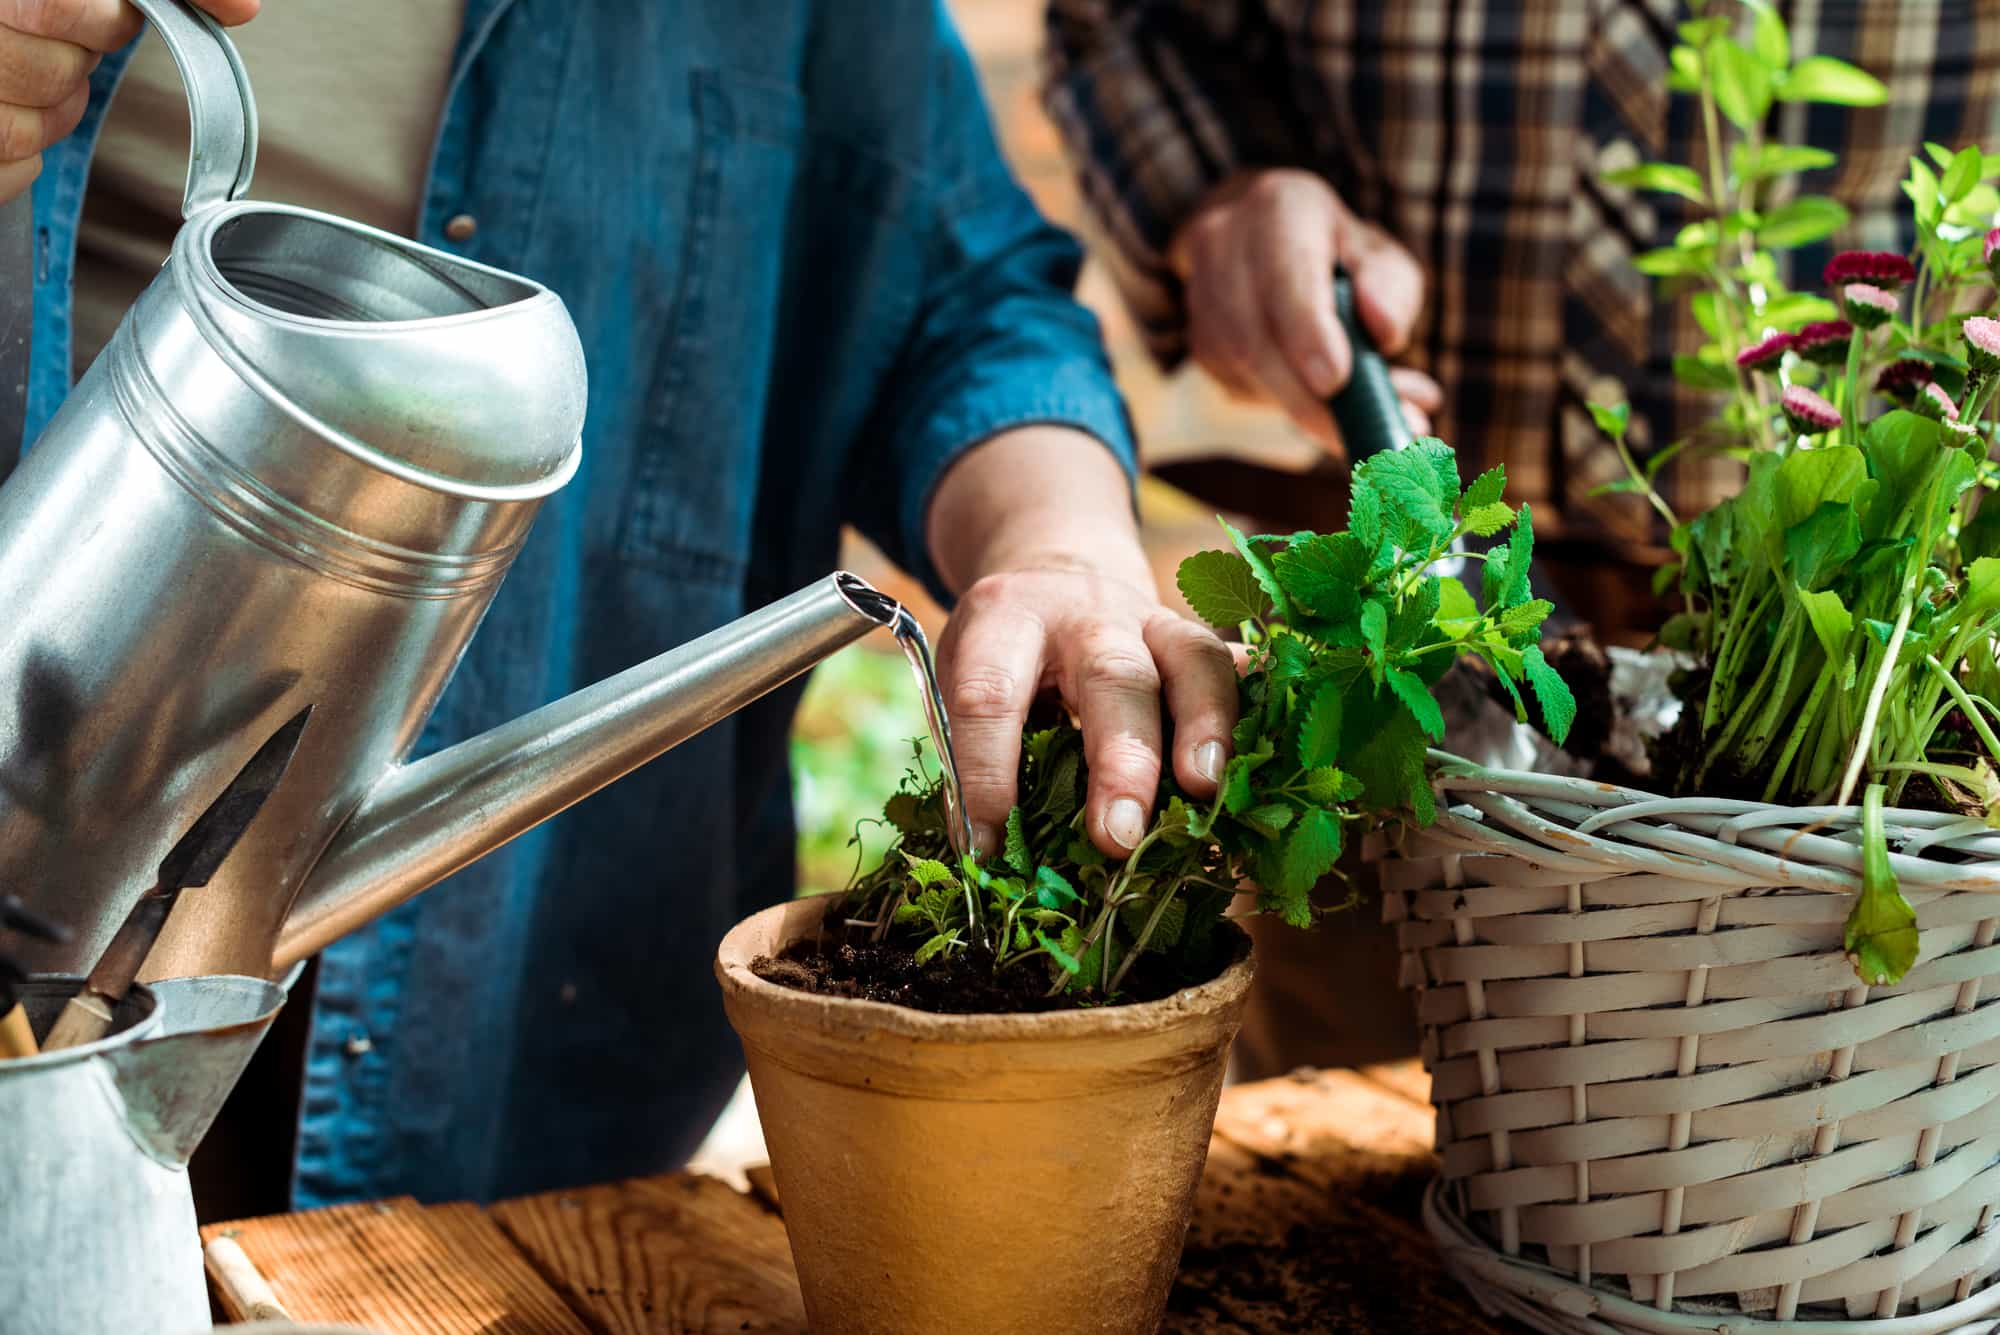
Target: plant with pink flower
[1808, 412]
[1883, 268]
[1868, 306]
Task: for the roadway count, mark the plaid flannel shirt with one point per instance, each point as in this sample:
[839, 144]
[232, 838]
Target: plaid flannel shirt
[1475, 132]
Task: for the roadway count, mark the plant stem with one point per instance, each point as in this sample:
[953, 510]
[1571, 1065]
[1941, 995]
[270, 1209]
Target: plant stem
[1850, 422]
[1965, 704]
[1139, 945]
[1800, 728]
[1869, 715]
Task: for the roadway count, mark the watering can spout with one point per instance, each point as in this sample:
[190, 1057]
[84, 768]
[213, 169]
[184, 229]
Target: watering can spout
[425, 820]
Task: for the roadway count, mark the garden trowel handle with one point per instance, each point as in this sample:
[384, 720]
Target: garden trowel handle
[1367, 408]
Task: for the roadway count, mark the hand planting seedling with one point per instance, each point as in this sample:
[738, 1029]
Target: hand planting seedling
[1843, 604]
[1347, 633]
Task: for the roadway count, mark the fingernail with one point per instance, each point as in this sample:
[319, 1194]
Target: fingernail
[1125, 823]
[985, 840]
[1209, 759]
[1319, 375]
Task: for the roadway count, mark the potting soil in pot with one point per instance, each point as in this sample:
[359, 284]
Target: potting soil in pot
[961, 984]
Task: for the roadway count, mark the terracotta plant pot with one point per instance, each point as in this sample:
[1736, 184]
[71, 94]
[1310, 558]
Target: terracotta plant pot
[990, 1173]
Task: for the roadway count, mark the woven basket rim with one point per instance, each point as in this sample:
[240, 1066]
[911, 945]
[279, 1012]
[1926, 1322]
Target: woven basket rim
[1819, 845]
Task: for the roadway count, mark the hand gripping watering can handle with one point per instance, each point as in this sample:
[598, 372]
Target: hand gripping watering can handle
[222, 115]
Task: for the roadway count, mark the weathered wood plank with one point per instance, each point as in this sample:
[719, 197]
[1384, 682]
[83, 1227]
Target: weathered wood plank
[678, 1255]
[1339, 1132]
[1268, 1252]
[395, 1265]
[763, 1184]
[1408, 1078]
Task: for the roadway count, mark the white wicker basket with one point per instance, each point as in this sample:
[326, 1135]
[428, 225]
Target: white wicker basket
[1665, 1102]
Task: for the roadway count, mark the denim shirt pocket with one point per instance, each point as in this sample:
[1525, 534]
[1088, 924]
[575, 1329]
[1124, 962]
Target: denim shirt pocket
[694, 478]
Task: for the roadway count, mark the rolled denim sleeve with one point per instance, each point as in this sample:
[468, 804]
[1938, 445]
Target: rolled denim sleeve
[999, 340]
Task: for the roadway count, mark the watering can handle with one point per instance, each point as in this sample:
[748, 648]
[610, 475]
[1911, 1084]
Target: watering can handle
[222, 115]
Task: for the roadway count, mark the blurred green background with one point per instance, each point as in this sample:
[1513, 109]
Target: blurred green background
[849, 747]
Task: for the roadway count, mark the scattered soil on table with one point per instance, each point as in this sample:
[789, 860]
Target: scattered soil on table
[1339, 1275]
[961, 984]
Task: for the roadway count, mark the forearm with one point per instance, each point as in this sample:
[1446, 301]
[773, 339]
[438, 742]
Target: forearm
[1036, 497]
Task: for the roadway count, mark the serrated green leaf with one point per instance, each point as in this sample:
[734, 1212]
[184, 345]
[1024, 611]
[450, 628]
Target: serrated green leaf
[1268, 819]
[1665, 177]
[1052, 889]
[1236, 798]
[1487, 520]
[1824, 79]
[1327, 785]
[1260, 567]
[1416, 697]
[1017, 844]
[1417, 507]
[1486, 489]
[1060, 951]
[1166, 931]
[1319, 738]
[1364, 514]
[1222, 589]
[1522, 618]
[1312, 850]
[927, 872]
[1505, 578]
[1551, 693]
[1324, 574]
[1456, 610]
[1375, 634]
[934, 947]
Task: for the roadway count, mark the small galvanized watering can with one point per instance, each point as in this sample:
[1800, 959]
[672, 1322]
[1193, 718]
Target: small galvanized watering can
[96, 1218]
[296, 476]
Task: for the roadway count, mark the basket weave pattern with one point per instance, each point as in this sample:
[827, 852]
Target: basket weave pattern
[1660, 1087]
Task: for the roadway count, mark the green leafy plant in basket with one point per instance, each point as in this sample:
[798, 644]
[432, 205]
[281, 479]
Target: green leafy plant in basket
[1843, 604]
[1347, 633]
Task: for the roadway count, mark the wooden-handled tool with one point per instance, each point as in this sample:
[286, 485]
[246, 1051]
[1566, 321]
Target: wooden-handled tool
[87, 1016]
[245, 1293]
[17, 1039]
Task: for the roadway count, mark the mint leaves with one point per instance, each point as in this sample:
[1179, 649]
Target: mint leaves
[1347, 633]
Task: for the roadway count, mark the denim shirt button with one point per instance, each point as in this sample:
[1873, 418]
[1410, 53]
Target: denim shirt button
[461, 228]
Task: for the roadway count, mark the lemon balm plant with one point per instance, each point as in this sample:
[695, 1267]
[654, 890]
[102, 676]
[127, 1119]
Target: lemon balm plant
[1347, 633]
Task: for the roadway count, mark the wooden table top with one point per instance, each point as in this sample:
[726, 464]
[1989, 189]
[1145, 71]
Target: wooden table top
[1306, 1221]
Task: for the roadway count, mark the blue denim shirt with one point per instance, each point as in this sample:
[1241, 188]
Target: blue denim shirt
[805, 283]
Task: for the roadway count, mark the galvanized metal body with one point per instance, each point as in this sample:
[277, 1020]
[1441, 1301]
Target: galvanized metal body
[99, 1225]
[296, 477]
[241, 510]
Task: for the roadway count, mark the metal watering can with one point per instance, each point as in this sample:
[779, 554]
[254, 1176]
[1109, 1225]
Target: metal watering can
[296, 476]
[98, 1224]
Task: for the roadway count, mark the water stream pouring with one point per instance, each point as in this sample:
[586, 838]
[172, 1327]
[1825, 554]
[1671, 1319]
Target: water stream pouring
[296, 477]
